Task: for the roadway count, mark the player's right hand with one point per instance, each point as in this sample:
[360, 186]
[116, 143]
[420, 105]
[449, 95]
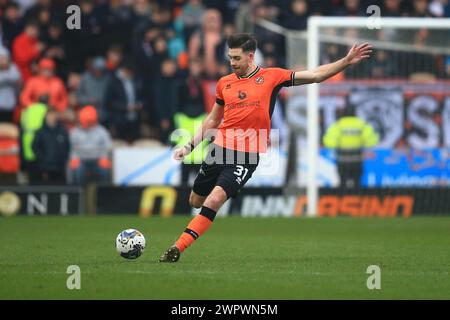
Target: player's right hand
[180, 153]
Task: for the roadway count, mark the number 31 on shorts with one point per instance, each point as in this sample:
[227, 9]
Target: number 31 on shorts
[240, 170]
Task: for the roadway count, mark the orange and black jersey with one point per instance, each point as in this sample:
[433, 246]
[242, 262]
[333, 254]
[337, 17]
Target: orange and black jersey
[248, 106]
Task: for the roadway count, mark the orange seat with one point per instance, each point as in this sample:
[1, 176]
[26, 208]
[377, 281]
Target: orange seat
[9, 148]
[9, 163]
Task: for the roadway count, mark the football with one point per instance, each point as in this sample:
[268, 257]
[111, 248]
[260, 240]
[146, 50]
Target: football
[130, 243]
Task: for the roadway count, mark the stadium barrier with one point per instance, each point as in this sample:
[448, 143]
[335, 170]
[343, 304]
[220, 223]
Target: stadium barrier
[272, 202]
[41, 200]
[167, 201]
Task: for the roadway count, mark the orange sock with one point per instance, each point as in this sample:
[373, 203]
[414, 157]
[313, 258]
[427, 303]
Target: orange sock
[198, 225]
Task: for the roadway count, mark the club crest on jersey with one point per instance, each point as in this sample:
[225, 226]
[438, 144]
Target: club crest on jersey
[242, 94]
[259, 80]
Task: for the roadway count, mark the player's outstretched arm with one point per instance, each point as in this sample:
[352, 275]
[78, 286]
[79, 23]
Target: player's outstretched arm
[356, 54]
[212, 121]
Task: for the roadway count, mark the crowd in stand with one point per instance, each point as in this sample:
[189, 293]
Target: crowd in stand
[133, 66]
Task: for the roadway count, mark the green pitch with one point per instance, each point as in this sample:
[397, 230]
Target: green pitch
[238, 258]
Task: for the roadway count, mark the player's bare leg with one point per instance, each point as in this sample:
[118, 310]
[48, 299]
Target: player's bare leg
[196, 200]
[198, 225]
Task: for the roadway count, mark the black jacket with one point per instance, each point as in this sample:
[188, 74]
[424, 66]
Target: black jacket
[116, 100]
[51, 147]
[191, 97]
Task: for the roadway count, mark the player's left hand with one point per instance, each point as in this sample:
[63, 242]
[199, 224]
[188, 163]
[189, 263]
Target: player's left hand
[180, 153]
[358, 53]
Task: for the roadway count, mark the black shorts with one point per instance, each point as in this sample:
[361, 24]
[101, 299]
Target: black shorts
[226, 168]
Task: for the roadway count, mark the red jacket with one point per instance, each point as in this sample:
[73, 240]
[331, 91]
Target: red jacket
[38, 85]
[25, 50]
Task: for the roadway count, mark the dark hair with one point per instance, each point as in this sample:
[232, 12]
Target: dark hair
[349, 110]
[32, 23]
[12, 5]
[127, 64]
[242, 40]
[44, 98]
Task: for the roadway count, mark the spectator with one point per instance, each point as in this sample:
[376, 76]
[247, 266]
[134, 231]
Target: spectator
[115, 22]
[162, 18]
[297, 16]
[244, 19]
[268, 47]
[350, 8]
[325, 7]
[43, 19]
[428, 64]
[77, 52]
[145, 55]
[90, 146]
[166, 103]
[142, 11]
[190, 18]
[51, 147]
[31, 120]
[270, 61]
[26, 49]
[11, 24]
[447, 9]
[420, 9]
[438, 8]
[114, 57]
[56, 48]
[175, 44]
[160, 54]
[203, 43]
[69, 117]
[228, 8]
[190, 113]
[392, 8]
[222, 47]
[122, 105]
[145, 50]
[265, 12]
[46, 83]
[92, 87]
[190, 100]
[25, 5]
[331, 52]
[9, 85]
[382, 66]
[34, 11]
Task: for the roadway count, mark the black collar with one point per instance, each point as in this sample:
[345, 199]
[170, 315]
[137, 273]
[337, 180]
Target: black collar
[251, 74]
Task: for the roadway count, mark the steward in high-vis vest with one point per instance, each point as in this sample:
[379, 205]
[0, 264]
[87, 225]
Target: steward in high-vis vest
[189, 117]
[31, 120]
[349, 136]
[193, 161]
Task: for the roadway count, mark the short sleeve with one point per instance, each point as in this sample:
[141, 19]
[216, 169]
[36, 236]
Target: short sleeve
[219, 95]
[283, 77]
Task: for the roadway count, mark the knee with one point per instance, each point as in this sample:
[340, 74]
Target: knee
[215, 200]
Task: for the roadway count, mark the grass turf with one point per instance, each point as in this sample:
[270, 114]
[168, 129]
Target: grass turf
[238, 258]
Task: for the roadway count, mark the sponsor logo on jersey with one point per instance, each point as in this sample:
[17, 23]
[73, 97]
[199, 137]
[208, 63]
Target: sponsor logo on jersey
[242, 95]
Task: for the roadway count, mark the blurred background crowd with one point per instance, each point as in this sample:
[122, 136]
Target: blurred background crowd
[68, 95]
